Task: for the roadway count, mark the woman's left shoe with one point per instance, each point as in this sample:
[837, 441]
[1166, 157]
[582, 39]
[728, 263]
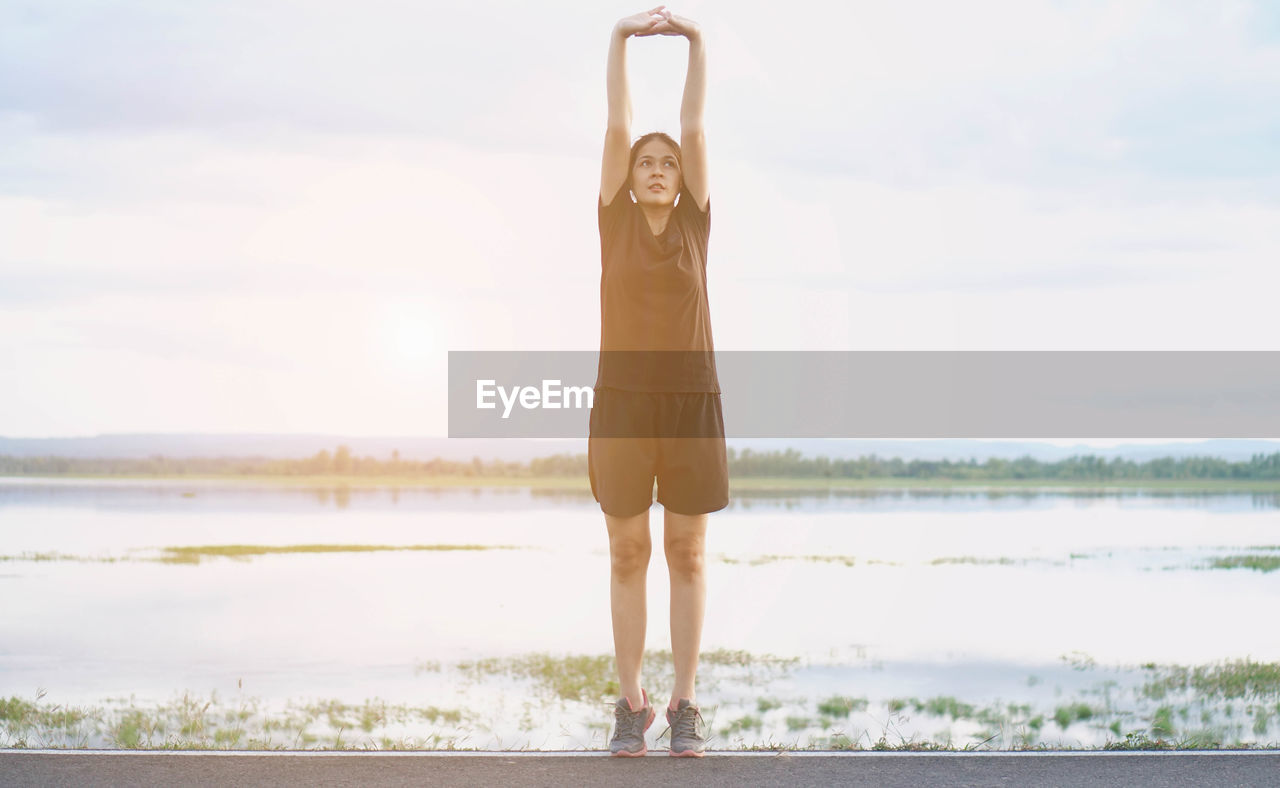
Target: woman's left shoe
[688, 731]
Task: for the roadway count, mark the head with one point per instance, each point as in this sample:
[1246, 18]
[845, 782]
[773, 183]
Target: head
[655, 171]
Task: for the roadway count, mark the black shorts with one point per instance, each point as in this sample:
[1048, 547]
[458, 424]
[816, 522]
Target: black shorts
[692, 472]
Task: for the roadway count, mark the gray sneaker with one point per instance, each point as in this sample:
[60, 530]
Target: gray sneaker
[629, 727]
[688, 731]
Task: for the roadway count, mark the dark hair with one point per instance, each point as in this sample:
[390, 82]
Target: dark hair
[654, 135]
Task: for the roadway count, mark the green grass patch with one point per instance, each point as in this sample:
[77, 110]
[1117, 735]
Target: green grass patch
[593, 677]
[573, 677]
[947, 706]
[745, 723]
[909, 745]
[1258, 563]
[1064, 716]
[1234, 679]
[839, 706]
[847, 560]
[193, 722]
[1162, 721]
[194, 554]
[968, 559]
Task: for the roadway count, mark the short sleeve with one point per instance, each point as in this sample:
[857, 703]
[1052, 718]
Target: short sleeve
[690, 207]
[698, 222]
[608, 216]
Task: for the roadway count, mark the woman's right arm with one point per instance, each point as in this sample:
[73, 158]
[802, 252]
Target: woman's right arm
[617, 136]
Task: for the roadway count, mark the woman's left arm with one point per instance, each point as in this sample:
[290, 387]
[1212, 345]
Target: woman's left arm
[693, 143]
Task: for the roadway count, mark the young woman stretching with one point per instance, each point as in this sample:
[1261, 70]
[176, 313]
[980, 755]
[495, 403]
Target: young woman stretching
[656, 413]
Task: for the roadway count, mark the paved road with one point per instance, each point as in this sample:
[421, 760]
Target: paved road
[124, 768]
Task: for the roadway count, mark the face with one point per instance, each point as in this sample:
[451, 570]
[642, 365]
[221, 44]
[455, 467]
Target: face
[655, 178]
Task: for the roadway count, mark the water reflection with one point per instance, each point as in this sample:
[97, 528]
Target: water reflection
[902, 601]
[212, 495]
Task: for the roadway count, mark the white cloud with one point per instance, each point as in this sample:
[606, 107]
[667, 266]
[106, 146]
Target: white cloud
[282, 216]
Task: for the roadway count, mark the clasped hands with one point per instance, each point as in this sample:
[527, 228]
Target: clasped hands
[658, 22]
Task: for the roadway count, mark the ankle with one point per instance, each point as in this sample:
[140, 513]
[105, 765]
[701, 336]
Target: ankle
[638, 699]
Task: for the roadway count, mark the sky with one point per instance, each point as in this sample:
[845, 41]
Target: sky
[281, 216]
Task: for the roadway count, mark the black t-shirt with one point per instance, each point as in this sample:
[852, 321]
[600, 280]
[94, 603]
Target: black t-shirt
[655, 319]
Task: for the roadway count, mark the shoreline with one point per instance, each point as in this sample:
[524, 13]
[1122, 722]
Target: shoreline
[741, 484]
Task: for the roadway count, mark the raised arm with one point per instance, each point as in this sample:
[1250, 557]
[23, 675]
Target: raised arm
[693, 143]
[617, 136]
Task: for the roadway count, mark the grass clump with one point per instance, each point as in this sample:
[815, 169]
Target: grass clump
[847, 560]
[191, 722]
[1072, 712]
[25, 723]
[947, 706]
[1162, 721]
[1258, 563]
[1138, 741]
[840, 706]
[193, 554]
[1230, 680]
[723, 657]
[909, 745]
[575, 677]
[969, 559]
[764, 705]
[746, 723]
[592, 677]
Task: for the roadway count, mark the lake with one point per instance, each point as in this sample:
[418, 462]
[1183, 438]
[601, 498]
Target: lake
[199, 613]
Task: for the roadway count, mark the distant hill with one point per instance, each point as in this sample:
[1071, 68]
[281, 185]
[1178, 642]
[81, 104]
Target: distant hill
[521, 450]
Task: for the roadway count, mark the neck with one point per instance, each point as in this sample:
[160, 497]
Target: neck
[657, 216]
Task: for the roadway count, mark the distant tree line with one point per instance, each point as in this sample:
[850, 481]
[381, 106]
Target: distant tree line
[324, 463]
[788, 463]
[791, 463]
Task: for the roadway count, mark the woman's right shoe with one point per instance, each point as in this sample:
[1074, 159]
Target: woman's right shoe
[629, 727]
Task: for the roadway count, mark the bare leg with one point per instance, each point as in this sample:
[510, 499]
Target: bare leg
[685, 540]
[629, 550]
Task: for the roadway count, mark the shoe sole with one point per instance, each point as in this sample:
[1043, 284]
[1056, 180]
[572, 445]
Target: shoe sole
[644, 750]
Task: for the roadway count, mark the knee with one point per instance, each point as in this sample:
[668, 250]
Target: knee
[686, 558]
[629, 556]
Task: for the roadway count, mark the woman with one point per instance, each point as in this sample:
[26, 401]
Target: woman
[656, 412]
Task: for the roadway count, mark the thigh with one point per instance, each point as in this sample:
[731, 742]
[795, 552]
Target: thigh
[693, 472]
[621, 469]
[628, 532]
